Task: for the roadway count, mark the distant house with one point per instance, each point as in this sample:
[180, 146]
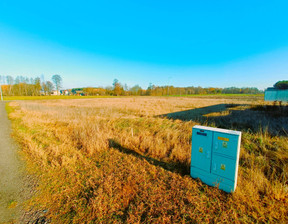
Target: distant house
[273, 94]
[64, 92]
[55, 93]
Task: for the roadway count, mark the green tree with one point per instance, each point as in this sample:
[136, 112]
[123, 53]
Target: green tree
[281, 84]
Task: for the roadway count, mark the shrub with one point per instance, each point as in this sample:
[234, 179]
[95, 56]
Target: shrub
[281, 84]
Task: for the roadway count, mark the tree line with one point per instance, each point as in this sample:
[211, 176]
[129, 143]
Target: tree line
[24, 86]
[117, 89]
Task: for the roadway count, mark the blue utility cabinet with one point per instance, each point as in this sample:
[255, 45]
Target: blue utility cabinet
[215, 156]
[273, 94]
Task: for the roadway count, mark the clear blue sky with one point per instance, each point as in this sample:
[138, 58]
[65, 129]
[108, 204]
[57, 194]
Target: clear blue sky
[182, 43]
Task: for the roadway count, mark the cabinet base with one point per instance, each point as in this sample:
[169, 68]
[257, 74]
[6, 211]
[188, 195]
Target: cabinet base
[213, 180]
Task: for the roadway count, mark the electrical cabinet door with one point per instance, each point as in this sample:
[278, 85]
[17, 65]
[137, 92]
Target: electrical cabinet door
[224, 167]
[201, 149]
[225, 144]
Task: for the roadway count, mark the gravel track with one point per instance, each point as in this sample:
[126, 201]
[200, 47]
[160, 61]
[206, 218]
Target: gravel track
[14, 182]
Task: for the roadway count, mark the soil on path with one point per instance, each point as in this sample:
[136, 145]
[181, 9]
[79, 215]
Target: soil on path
[14, 189]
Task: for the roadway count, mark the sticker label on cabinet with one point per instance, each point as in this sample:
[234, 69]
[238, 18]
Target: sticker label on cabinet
[223, 139]
[224, 144]
[222, 167]
[201, 149]
[201, 133]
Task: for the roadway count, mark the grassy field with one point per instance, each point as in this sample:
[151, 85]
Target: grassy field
[126, 160]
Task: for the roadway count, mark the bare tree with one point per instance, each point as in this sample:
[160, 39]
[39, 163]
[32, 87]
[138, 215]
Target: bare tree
[57, 81]
[10, 82]
[37, 86]
[49, 87]
[117, 87]
[1, 88]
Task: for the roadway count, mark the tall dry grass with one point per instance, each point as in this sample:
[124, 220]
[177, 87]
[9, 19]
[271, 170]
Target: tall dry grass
[116, 160]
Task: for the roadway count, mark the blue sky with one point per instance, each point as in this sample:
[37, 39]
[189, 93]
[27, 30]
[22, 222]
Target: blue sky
[181, 43]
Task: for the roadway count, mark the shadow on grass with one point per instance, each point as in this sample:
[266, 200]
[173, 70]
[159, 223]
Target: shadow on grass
[242, 117]
[197, 113]
[172, 166]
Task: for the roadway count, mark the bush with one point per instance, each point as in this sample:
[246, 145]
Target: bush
[281, 84]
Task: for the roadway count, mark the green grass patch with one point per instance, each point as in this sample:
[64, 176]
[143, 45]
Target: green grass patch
[9, 109]
[12, 204]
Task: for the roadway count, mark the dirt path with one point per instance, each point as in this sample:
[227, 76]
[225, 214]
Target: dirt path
[13, 187]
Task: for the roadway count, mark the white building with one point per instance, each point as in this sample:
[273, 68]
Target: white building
[55, 93]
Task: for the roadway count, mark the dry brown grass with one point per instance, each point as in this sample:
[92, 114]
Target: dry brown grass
[116, 160]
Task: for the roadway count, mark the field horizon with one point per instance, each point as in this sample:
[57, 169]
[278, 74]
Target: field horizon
[52, 97]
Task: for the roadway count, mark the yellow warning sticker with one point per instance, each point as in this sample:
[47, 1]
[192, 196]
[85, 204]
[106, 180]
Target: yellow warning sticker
[223, 139]
[201, 149]
[222, 167]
